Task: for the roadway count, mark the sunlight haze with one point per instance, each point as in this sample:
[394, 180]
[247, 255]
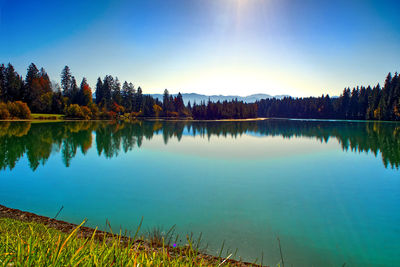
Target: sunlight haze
[229, 47]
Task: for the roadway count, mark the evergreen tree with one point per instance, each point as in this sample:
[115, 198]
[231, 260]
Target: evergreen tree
[138, 100]
[179, 105]
[345, 103]
[32, 86]
[353, 104]
[99, 91]
[108, 84]
[74, 92]
[116, 92]
[127, 96]
[66, 81]
[13, 84]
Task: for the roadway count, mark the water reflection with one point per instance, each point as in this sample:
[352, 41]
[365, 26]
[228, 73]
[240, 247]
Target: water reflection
[38, 141]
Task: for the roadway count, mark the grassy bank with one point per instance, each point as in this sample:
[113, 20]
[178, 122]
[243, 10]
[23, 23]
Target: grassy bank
[31, 243]
[27, 239]
[38, 116]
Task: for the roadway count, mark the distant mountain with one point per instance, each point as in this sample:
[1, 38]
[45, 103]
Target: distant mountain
[193, 97]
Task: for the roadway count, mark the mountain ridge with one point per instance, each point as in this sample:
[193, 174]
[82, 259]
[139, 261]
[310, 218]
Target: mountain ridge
[194, 97]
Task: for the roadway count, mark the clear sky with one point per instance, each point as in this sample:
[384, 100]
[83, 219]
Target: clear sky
[295, 47]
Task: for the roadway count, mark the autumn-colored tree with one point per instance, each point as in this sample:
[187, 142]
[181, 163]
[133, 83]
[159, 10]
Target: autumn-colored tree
[87, 113]
[38, 88]
[118, 109]
[94, 110]
[4, 113]
[85, 93]
[157, 110]
[21, 110]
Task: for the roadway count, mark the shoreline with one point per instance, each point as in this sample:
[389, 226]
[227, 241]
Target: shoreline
[137, 119]
[191, 120]
[88, 232]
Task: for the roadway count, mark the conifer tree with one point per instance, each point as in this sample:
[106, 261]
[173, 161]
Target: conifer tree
[66, 81]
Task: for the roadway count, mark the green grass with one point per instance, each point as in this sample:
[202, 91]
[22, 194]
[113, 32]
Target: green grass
[39, 116]
[34, 244]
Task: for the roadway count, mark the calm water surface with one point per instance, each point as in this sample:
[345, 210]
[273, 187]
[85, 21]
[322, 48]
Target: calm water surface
[329, 190]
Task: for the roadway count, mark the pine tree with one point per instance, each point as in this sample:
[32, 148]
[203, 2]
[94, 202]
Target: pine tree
[127, 96]
[13, 84]
[116, 92]
[66, 81]
[353, 105]
[99, 91]
[32, 85]
[179, 105]
[345, 103]
[74, 91]
[138, 100]
[166, 101]
[108, 83]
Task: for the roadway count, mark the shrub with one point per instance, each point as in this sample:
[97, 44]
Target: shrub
[74, 111]
[105, 115]
[23, 110]
[4, 114]
[86, 112]
[94, 109]
[13, 109]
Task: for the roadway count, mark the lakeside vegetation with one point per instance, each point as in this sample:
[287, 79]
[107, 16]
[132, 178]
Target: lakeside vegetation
[115, 101]
[35, 244]
[38, 141]
[360, 103]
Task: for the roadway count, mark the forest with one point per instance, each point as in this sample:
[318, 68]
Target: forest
[110, 99]
[360, 103]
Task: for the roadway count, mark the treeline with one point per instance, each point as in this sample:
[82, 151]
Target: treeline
[111, 99]
[39, 141]
[114, 101]
[224, 110]
[360, 103]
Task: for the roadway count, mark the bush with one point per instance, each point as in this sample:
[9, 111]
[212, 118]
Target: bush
[23, 110]
[74, 111]
[94, 109]
[105, 115]
[4, 114]
[86, 112]
[15, 109]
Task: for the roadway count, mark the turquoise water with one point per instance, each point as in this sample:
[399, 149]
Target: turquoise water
[330, 190]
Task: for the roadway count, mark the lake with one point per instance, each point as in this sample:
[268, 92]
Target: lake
[330, 190]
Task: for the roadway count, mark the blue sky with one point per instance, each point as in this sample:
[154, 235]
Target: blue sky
[296, 47]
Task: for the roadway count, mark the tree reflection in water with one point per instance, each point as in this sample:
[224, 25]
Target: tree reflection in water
[38, 141]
